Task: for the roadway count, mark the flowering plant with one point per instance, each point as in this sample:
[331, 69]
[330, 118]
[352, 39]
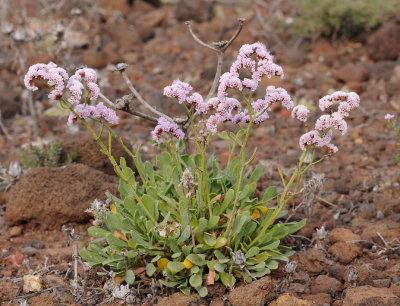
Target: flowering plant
[189, 222]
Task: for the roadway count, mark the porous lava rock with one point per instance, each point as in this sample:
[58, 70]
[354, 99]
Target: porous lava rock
[50, 197]
[258, 292]
[88, 152]
[384, 44]
[368, 295]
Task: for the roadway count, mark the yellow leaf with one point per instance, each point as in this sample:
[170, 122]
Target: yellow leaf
[162, 263]
[120, 236]
[113, 209]
[118, 279]
[256, 213]
[187, 263]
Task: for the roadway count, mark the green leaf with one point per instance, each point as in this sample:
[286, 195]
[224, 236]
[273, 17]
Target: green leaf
[185, 235]
[269, 194]
[173, 244]
[256, 175]
[202, 291]
[202, 226]
[252, 252]
[184, 289]
[293, 227]
[97, 231]
[175, 267]
[196, 259]
[149, 203]
[210, 239]
[225, 279]
[279, 231]
[271, 246]
[130, 277]
[213, 222]
[196, 280]
[115, 241]
[168, 284]
[227, 201]
[91, 257]
[272, 264]
[150, 269]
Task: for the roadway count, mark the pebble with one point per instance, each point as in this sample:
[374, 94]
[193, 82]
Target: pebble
[30, 251]
[15, 231]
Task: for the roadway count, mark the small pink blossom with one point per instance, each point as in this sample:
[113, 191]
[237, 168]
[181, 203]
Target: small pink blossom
[55, 77]
[178, 90]
[249, 83]
[276, 95]
[76, 87]
[353, 100]
[167, 127]
[227, 81]
[389, 116]
[213, 121]
[97, 112]
[197, 101]
[300, 112]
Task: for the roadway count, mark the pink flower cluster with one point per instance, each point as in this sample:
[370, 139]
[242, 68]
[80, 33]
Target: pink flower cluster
[180, 90]
[260, 62]
[351, 100]
[389, 116]
[97, 112]
[168, 127]
[300, 112]
[76, 87]
[55, 77]
[322, 134]
[265, 65]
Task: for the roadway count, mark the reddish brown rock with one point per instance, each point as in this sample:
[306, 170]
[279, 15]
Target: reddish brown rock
[342, 235]
[94, 59]
[319, 298]
[351, 73]
[368, 295]
[288, 300]
[88, 152]
[257, 293]
[345, 252]
[50, 197]
[324, 283]
[178, 299]
[384, 44]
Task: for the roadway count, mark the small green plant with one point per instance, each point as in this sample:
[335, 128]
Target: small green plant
[188, 221]
[45, 156]
[345, 18]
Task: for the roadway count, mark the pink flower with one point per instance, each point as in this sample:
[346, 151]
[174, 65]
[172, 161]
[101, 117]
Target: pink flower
[76, 87]
[55, 77]
[300, 112]
[249, 83]
[213, 121]
[275, 95]
[178, 90]
[168, 127]
[197, 101]
[352, 99]
[389, 116]
[97, 112]
[226, 81]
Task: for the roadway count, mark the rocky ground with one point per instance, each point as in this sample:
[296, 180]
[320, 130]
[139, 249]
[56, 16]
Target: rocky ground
[349, 251]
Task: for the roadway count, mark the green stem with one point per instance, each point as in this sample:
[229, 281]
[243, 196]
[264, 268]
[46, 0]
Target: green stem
[242, 170]
[282, 201]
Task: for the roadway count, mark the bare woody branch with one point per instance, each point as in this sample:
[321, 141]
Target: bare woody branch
[219, 47]
[121, 68]
[124, 106]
